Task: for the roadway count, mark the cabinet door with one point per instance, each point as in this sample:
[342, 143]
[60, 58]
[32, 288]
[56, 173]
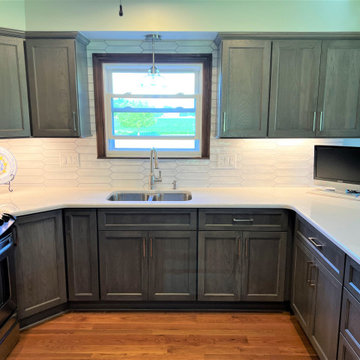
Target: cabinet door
[346, 352]
[350, 321]
[123, 265]
[52, 85]
[294, 88]
[40, 265]
[172, 265]
[219, 255]
[82, 254]
[326, 313]
[245, 88]
[339, 95]
[302, 293]
[14, 117]
[263, 274]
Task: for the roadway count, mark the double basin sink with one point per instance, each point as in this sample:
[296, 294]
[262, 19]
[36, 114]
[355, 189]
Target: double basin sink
[150, 196]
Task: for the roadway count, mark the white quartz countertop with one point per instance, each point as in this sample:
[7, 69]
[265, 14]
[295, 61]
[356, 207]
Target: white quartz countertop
[337, 218]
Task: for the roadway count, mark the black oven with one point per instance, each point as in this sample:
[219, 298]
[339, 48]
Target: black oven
[9, 328]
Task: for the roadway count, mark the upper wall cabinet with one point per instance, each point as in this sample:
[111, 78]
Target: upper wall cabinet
[244, 88]
[314, 90]
[339, 95]
[14, 112]
[58, 85]
[294, 88]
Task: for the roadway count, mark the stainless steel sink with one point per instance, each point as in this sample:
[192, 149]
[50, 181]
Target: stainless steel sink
[150, 196]
[172, 196]
[128, 196]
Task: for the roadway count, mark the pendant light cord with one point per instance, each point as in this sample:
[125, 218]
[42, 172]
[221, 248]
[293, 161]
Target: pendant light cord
[153, 55]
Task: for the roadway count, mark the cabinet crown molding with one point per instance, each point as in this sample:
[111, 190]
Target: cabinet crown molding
[287, 35]
[12, 32]
[57, 35]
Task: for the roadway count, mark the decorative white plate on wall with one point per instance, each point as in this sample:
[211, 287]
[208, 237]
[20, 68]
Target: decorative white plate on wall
[8, 166]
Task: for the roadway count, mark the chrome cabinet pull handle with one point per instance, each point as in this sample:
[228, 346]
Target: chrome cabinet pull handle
[314, 122]
[74, 120]
[321, 121]
[308, 280]
[314, 241]
[311, 282]
[224, 122]
[236, 220]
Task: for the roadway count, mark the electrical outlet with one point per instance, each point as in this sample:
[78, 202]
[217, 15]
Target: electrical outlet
[69, 159]
[226, 161]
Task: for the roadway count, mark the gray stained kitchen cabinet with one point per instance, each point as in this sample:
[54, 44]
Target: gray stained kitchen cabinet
[352, 277]
[14, 113]
[123, 265]
[219, 266]
[315, 89]
[142, 265]
[247, 266]
[316, 299]
[294, 88]
[345, 351]
[40, 263]
[58, 86]
[350, 321]
[244, 79]
[326, 312]
[264, 266]
[172, 265]
[302, 293]
[339, 93]
[82, 254]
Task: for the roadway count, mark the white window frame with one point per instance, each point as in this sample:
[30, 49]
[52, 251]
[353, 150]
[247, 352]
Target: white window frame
[109, 68]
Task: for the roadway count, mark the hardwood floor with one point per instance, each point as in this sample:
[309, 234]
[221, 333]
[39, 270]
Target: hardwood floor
[168, 336]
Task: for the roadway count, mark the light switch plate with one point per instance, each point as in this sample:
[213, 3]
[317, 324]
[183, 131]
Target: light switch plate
[69, 159]
[226, 161]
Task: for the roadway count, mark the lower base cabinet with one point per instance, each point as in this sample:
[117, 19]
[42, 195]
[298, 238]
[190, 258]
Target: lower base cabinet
[147, 265]
[326, 313]
[241, 266]
[40, 263]
[316, 300]
[350, 325]
[82, 254]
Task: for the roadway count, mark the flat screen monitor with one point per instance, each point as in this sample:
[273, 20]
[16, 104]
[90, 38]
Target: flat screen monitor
[337, 163]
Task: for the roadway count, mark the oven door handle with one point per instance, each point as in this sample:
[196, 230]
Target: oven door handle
[5, 249]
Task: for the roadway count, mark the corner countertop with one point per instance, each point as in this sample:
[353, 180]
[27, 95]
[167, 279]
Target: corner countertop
[338, 218]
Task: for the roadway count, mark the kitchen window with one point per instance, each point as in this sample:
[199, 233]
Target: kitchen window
[136, 111]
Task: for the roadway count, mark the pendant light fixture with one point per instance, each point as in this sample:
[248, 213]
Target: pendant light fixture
[121, 13]
[153, 71]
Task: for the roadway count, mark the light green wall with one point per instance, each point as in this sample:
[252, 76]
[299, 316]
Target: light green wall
[12, 14]
[197, 15]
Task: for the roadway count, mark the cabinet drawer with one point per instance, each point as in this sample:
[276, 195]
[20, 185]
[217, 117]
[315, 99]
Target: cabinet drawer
[243, 219]
[346, 352]
[332, 256]
[350, 321]
[148, 219]
[352, 277]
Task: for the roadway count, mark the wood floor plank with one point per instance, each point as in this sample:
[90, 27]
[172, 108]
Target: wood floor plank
[165, 336]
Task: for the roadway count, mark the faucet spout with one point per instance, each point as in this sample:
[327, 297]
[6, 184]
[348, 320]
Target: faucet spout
[154, 164]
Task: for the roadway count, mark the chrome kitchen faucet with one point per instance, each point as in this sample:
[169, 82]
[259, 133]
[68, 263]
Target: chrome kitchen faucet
[154, 164]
